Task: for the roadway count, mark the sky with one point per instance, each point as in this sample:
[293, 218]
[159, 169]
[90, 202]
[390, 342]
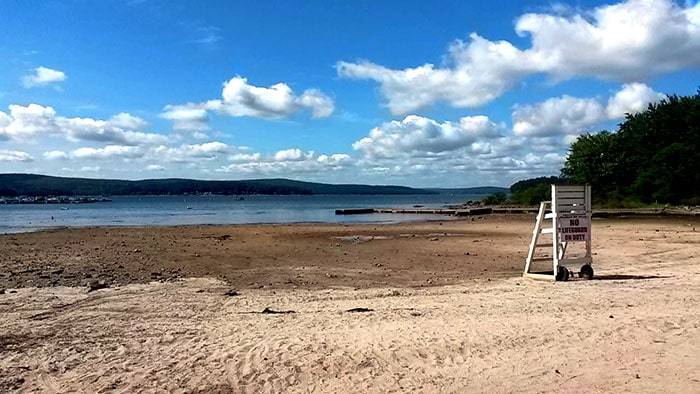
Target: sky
[446, 93]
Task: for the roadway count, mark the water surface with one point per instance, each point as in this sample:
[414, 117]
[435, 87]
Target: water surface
[211, 209]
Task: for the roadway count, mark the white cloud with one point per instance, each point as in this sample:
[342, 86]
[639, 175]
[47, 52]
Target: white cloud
[278, 101]
[633, 98]
[241, 99]
[288, 162]
[334, 159]
[155, 167]
[292, 155]
[88, 129]
[568, 115]
[43, 76]
[13, 155]
[245, 157]
[207, 149]
[189, 117]
[190, 153]
[5, 120]
[55, 155]
[565, 115]
[108, 152]
[127, 121]
[419, 136]
[626, 42]
[29, 121]
[482, 70]
[34, 120]
[321, 105]
[90, 169]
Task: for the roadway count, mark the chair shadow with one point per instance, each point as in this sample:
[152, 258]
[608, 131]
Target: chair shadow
[629, 277]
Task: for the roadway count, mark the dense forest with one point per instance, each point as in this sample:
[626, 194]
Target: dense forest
[12, 185]
[654, 157]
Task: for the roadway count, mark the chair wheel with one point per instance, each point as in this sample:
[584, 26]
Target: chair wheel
[562, 274]
[586, 272]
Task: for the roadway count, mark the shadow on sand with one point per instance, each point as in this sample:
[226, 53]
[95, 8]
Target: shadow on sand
[628, 277]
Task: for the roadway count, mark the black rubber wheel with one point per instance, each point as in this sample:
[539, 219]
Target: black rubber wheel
[586, 272]
[562, 274]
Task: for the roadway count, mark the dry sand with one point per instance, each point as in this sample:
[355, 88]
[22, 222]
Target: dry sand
[446, 310]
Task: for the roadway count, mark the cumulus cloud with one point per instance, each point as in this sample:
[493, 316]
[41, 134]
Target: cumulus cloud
[288, 161]
[633, 98]
[155, 167]
[628, 41]
[43, 76]
[564, 115]
[417, 136]
[34, 120]
[190, 153]
[55, 155]
[334, 159]
[571, 116]
[292, 155]
[108, 152]
[5, 120]
[482, 70]
[127, 121]
[13, 155]
[278, 101]
[29, 121]
[239, 98]
[245, 157]
[188, 117]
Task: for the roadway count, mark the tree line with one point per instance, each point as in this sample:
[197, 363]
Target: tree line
[653, 157]
[12, 185]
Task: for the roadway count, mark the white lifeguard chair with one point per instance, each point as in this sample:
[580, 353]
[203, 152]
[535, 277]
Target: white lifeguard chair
[570, 215]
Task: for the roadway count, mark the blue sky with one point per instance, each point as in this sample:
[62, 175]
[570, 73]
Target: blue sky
[427, 94]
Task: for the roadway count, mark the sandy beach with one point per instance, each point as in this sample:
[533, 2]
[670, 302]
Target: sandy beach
[413, 307]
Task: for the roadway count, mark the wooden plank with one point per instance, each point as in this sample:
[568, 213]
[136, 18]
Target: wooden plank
[576, 261]
[571, 201]
[354, 211]
[535, 259]
[539, 276]
[535, 235]
[571, 188]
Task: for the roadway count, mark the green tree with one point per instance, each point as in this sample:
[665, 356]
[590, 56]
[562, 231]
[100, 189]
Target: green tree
[495, 199]
[654, 156]
[594, 159]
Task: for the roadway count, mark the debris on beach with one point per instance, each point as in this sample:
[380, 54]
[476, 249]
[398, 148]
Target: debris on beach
[274, 312]
[356, 310]
[97, 285]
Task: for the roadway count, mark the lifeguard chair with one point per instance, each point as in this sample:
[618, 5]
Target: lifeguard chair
[570, 215]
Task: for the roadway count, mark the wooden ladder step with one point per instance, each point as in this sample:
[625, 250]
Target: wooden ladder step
[544, 245]
[541, 259]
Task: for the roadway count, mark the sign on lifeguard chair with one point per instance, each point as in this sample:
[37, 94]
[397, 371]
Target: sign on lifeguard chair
[570, 215]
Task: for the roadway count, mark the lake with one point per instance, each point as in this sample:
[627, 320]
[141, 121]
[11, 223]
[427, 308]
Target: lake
[213, 209]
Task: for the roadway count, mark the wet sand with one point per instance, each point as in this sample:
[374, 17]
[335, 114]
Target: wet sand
[436, 306]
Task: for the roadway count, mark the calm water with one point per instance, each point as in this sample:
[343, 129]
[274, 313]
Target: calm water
[189, 210]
